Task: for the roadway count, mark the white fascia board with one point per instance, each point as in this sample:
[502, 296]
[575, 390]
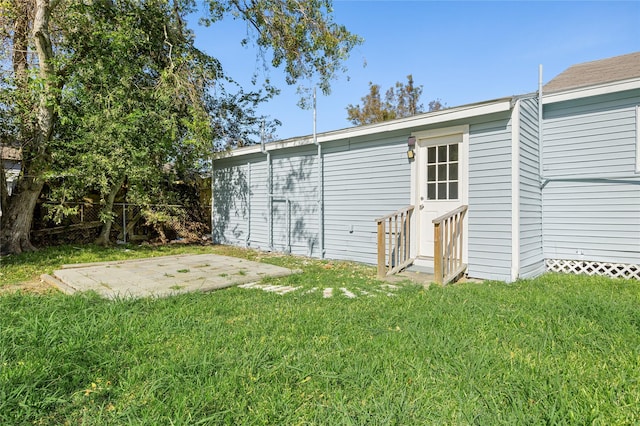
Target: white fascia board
[430, 118]
[584, 92]
[253, 149]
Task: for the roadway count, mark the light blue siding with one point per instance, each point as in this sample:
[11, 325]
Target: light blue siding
[490, 199]
[364, 179]
[531, 253]
[591, 137]
[591, 199]
[295, 221]
[596, 221]
[587, 209]
[241, 202]
[231, 201]
[259, 238]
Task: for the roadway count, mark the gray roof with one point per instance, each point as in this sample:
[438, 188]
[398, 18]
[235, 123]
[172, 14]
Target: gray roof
[618, 68]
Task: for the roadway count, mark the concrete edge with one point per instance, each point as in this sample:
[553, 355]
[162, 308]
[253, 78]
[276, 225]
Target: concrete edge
[58, 284]
[66, 288]
[120, 262]
[155, 258]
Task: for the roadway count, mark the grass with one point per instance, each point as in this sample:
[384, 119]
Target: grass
[29, 266]
[554, 350]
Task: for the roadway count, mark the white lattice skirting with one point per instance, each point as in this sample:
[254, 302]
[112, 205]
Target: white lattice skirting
[613, 270]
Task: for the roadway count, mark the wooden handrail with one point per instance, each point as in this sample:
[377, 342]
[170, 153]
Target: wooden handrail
[402, 210]
[440, 219]
[394, 241]
[448, 239]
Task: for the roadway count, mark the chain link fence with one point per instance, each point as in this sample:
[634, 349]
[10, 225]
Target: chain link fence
[80, 223]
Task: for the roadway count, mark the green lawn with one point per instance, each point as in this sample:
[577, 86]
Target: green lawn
[555, 350]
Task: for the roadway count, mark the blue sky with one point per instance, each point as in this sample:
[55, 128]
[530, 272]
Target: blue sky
[460, 52]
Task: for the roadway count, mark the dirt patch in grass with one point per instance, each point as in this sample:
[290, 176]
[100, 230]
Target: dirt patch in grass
[33, 286]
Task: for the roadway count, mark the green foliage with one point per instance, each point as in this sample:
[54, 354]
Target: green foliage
[123, 97]
[300, 34]
[400, 101]
[135, 100]
[559, 349]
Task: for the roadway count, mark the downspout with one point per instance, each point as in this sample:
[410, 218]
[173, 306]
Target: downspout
[320, 181]
[540, 137]
[269, 184]
[288, 225]
[541, 162]
[212, 185]
[248, 239]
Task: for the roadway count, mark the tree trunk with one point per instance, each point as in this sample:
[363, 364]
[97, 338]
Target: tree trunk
[103, 238]
[4, 193]
[20, 42]
[17, 217]
[45, 113]
[18, 214]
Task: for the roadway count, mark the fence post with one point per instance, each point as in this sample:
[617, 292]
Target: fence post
[124, 223]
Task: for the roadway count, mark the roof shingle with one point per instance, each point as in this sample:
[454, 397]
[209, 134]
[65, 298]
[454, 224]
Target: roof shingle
[618, 68]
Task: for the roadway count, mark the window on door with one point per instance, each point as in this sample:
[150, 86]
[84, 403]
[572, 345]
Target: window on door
[442, 172]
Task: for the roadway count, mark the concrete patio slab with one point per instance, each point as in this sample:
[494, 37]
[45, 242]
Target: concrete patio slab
[161, 276]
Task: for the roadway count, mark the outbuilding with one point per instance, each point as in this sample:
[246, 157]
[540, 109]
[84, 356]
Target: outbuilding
[501, 189]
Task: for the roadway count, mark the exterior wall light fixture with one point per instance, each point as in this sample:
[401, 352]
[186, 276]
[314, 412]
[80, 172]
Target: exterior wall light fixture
[410, 154]
[411, 143]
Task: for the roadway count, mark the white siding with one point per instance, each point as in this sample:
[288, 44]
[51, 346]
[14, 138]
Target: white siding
[490, 200]
[531, 253]
[592, 196]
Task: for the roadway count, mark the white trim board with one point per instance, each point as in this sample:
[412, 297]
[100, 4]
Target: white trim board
[515, 192]
[583, 92]
[430, 118]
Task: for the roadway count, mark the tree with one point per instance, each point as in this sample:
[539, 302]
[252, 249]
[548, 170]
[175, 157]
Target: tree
[400, 101]
[98, 92]
[300, 34]
[145, 106]
[32, 106]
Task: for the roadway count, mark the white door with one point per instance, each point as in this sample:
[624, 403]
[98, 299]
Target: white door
[441, 183]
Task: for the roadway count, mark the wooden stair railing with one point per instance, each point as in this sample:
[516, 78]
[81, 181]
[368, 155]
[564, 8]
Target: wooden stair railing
[394, 241]
[448, 234]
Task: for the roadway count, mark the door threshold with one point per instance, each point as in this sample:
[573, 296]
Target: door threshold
[424, 262]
